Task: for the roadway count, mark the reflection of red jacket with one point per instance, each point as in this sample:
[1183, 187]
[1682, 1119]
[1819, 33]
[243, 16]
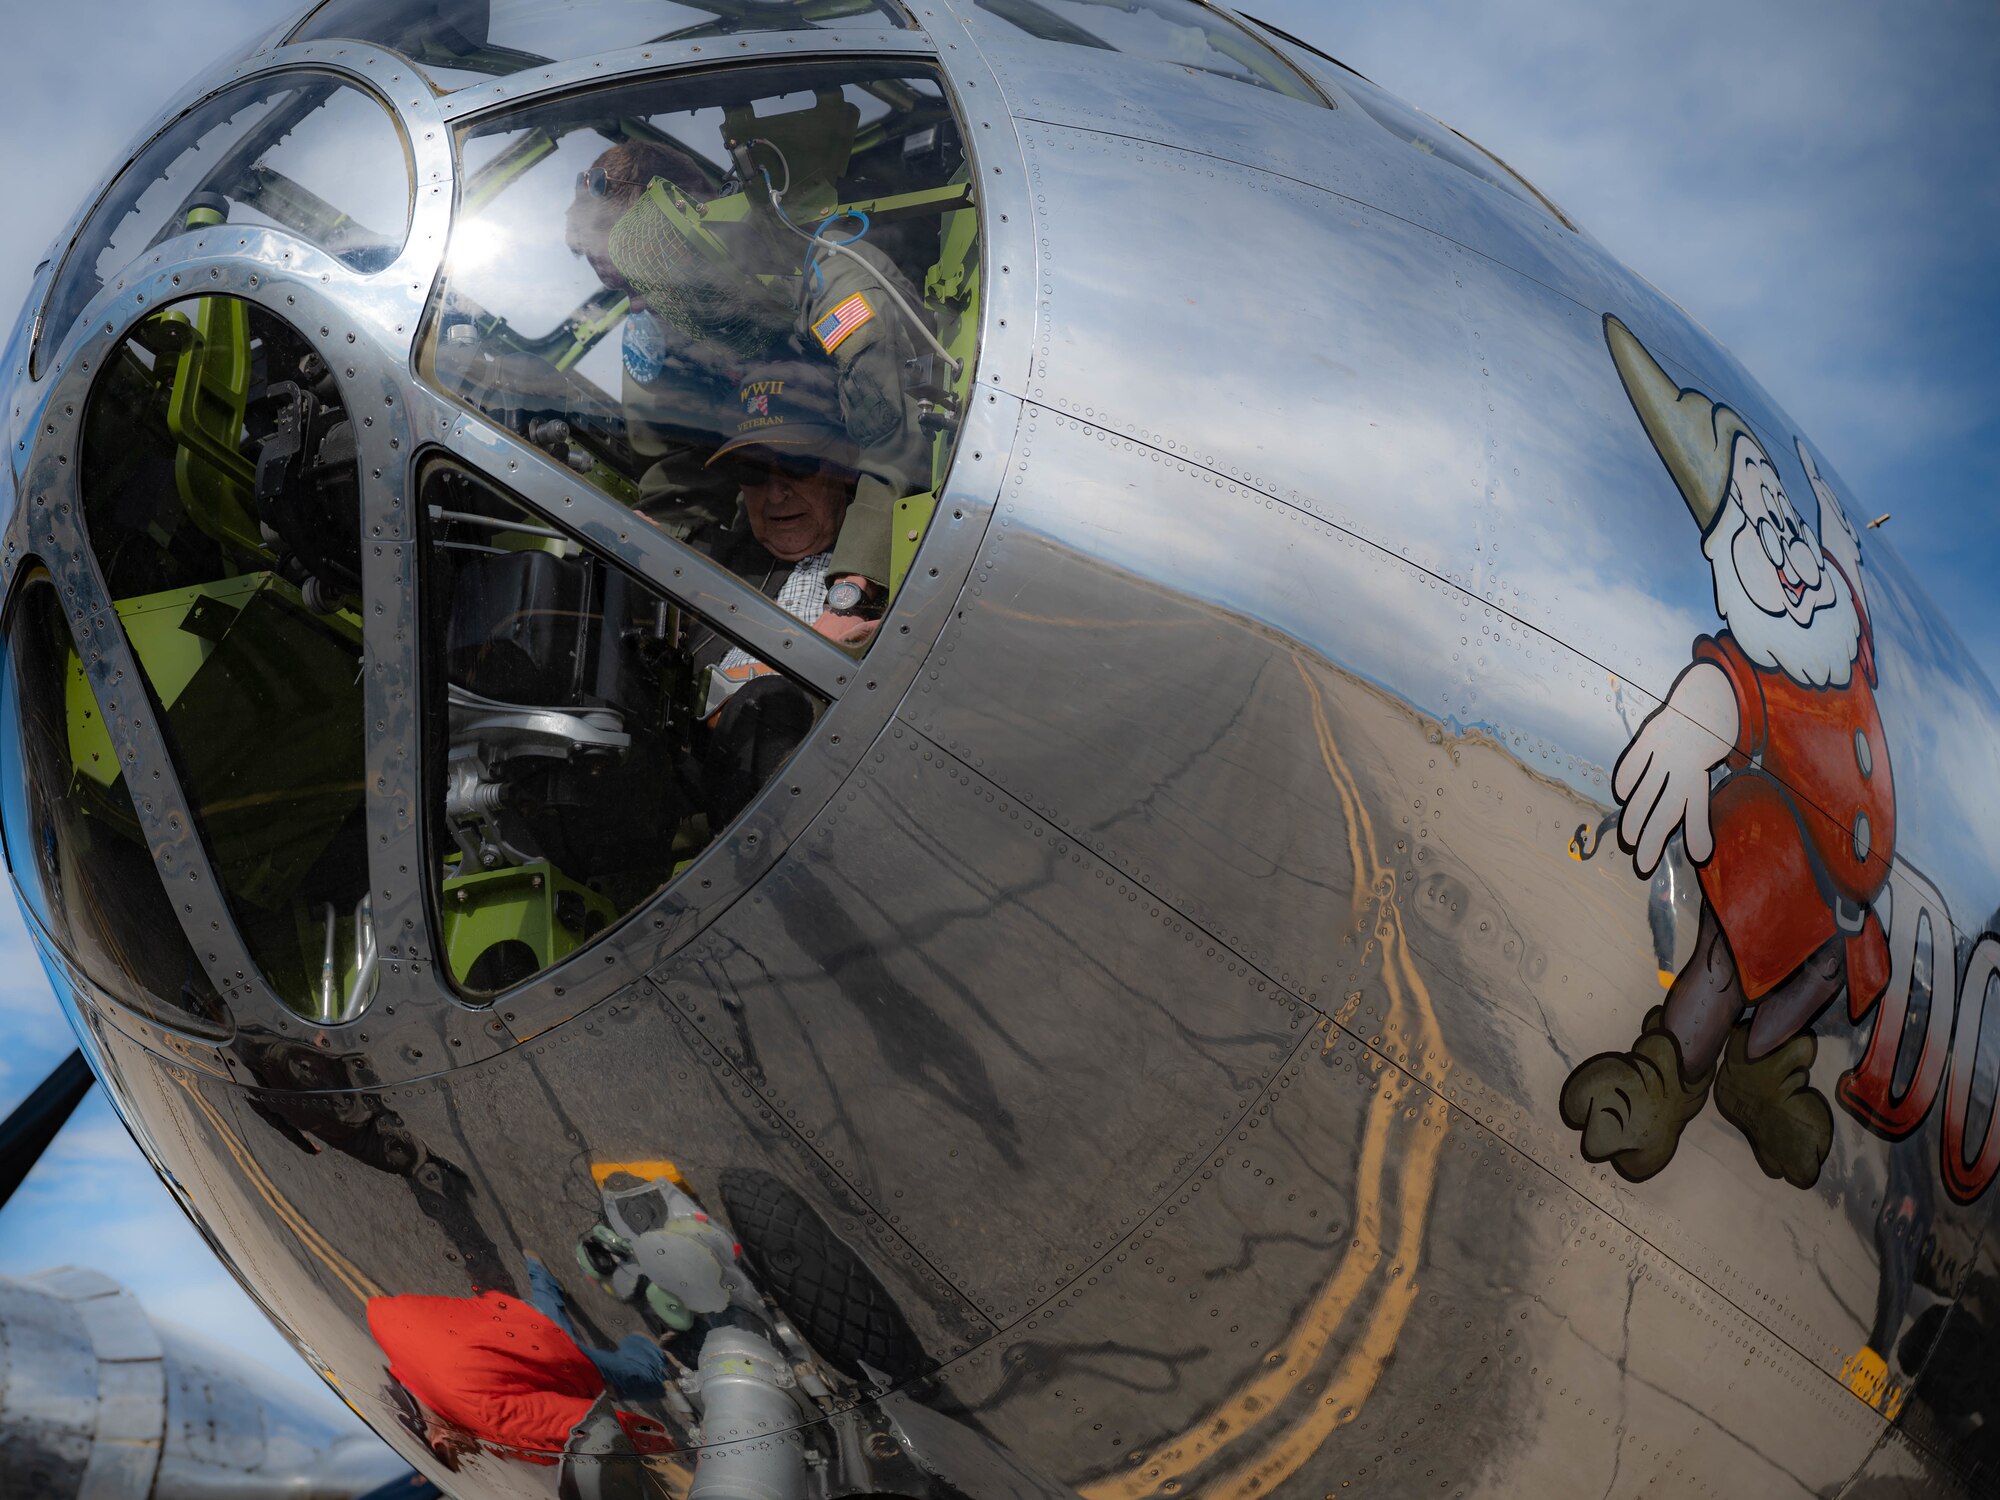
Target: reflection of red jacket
[1806, 817]
[496, 1367]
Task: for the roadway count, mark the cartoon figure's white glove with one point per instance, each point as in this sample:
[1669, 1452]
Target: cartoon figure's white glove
[1662, 778]
[1837, 536]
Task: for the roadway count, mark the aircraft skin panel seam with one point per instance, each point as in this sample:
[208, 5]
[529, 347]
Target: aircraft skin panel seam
[713, 1058]
[1308, 184]
[1280, 990]
[1457, 1109]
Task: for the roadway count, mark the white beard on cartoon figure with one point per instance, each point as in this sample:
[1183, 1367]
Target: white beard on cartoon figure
[1785, 604]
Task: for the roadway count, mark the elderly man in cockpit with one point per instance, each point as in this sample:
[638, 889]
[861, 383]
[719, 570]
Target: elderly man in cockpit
[702, 326]
[793, 464]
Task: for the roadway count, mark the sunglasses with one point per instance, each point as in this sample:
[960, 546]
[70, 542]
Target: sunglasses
[599, 183]
[749, 466]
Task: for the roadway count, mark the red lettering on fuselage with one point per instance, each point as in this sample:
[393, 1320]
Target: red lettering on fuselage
[1966, 1176]
[1921, 956]
[1952, 1047]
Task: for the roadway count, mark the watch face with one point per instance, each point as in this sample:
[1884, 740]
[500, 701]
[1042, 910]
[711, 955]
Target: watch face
[844, 596]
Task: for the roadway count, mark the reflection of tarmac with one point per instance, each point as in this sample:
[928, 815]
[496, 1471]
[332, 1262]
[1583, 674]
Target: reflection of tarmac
[1375, 1267]
[309, 1238]
[1163, 1229]
[1486, 1303]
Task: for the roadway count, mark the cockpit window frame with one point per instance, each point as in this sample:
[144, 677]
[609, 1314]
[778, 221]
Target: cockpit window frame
[896, 15]
[869, 66]
[43, 337]
[1035, 19]
[1528, 191]
[430, 464]
[429, 1026]
[142, 1007]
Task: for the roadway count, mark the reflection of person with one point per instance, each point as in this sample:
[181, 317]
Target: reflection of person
[1903, 1233]
[495, 1370]
[611, 185]
[675, 389]
[1792, 843]
[704, 315]
[636, 1369]
[321, 1107]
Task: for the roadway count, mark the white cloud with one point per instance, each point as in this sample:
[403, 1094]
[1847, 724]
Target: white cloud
[79, 82]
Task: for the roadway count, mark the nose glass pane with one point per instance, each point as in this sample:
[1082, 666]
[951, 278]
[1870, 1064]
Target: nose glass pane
[78, 855]
[457, 43]
[1171, 31]
[678, 288]
[588, 737]
[220, 494]
[1434, 138]
[302, 152]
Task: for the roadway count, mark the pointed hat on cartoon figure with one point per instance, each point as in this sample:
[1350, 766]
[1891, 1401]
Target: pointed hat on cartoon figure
[1694, 435]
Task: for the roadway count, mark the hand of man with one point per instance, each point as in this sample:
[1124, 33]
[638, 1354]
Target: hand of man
[1662, 778]
[854, 624]
[850, 631]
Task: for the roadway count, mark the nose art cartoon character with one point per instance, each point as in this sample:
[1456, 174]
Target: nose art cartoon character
[1769, 757]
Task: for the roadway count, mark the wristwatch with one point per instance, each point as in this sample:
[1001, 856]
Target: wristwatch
[849, 598]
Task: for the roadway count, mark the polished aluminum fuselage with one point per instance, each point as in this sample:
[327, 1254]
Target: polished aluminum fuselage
[98, 1400]
[1163, 963]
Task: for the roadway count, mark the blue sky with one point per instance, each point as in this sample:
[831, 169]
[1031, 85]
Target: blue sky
[1814, 182]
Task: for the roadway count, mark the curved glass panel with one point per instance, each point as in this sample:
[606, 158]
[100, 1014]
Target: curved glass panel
[587, 737]
[220, 494]
[461, 42]
[302, 152]
[745, 304]
[73, 839]
[1435, 138]
[1170, 31]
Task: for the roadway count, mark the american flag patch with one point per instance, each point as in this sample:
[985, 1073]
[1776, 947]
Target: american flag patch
[757, 406]
[833, 329]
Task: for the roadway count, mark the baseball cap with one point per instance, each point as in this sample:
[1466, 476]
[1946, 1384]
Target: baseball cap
[789, 414]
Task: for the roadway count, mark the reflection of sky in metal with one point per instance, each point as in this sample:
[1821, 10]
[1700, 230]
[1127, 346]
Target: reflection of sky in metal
[94, 1202]
[1829, 215]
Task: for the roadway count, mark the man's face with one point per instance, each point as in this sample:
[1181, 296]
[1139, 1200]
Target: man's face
[600, 262]
[590, 237]
[592, 215]
[792, 515]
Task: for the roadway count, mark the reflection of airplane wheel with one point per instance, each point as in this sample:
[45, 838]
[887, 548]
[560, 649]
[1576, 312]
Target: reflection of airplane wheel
[827, 1291]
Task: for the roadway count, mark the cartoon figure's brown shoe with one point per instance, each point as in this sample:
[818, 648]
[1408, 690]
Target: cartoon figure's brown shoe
[1772, 1101]
[1633, 1106]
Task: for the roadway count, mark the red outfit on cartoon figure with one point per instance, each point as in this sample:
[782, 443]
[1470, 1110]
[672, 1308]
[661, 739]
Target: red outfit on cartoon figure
[1807, 816]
